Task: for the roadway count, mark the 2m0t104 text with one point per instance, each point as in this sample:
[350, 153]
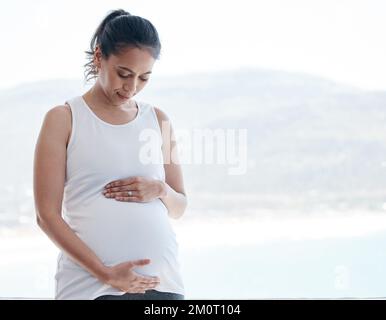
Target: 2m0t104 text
[214, 309]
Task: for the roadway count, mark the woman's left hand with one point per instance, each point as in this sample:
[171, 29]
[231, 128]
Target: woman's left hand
[135, 189]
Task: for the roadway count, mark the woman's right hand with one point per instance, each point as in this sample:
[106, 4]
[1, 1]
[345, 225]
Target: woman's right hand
[122, 277]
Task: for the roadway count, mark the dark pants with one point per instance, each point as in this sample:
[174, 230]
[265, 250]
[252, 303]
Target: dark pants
[149, 295]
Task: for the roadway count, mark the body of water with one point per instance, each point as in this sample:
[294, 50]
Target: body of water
[326, 256]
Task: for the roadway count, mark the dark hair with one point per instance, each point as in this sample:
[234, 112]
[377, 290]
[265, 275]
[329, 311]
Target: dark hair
[120, 30]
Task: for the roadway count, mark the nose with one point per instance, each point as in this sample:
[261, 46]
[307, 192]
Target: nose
[126, 87]
[130, 86]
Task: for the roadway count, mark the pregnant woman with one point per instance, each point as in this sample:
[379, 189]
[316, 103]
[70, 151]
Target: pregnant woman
[98, 197]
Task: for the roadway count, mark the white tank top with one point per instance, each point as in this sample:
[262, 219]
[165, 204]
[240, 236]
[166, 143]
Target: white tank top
[98, 153]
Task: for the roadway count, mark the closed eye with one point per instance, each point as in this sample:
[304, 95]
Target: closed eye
[125, 77]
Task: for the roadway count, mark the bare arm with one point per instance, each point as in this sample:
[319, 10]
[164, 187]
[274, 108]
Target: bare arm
[173, 194]
[49, 177]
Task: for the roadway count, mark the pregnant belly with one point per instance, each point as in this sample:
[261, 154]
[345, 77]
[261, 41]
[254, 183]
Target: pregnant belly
[121, 231]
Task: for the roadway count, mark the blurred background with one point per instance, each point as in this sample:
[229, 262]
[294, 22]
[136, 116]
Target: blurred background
[305, 79]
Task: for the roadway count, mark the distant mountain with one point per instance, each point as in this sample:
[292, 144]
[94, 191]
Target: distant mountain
[311, 142]
[305, 134]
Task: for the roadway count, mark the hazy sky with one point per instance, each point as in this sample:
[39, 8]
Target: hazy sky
[338, 39]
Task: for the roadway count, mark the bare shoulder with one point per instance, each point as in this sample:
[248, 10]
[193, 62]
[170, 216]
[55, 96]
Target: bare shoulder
[57, 122]
[161, 115]
[163, 120]
[61, 110]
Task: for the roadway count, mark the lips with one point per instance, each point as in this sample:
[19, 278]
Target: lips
[122, 96]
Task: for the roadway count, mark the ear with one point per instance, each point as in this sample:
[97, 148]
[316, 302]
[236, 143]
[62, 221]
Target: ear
[97, 57]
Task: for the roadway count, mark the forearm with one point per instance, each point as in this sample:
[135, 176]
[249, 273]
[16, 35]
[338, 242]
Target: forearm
[175, 202]
[66, 239]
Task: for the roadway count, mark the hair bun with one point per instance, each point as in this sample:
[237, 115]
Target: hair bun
[116, 13]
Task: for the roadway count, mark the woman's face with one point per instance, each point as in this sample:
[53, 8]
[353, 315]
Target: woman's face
[123, 75]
